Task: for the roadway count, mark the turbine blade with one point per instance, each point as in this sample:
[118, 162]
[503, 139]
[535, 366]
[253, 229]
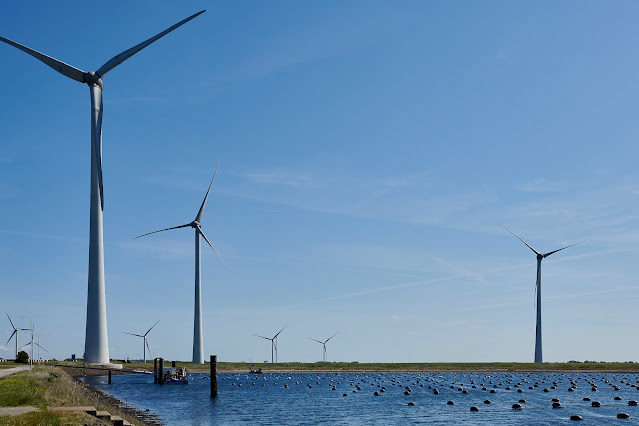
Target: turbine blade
[162, 230]
[199, 213]
[14, 332]
[14, 327]
[278, 333]
[59, 66]
[132, 334]
[211, 245]
[118, 59]
[267, 338]
[97, 144]
[563, 248]
[36, 343]
[156, 323]
[147, 348]
[536, 252]
[26, 344]
[331, 337]
[316, 340]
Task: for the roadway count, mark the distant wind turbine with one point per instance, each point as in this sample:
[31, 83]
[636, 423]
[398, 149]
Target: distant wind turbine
[198, 349]
[324, 344]
[540, 257]
[96, 349]
[33, 343]
[273, 344]
[15, 332]
[145, 345]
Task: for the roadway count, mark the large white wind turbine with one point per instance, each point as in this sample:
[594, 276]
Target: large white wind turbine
[145, 345]
[96, 349]
[540, 257]
[273, 343]
[324, 344]
[198, 349]
[15, 332]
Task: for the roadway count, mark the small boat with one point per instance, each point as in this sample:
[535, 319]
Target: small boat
[258, 371]
[175, 375]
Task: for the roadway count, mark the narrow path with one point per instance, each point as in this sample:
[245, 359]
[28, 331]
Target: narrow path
[9, 371]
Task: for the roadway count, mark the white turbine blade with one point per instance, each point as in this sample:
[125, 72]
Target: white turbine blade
[14, 332]
[211, 245]
[563, 248]
[278, 333]
[26, 344]
[162, 230]
[267, 338]
[316, 340]
[156, 323]
[38, 345]
[118, 59]
[331, 337]
[132, 334]
[199, 213]
[59, 66]
[536, 252]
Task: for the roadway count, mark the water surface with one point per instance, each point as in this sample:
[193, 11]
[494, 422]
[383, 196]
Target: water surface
[309, 398]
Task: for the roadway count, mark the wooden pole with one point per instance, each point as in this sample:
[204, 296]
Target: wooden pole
[109, 376]
[155, 370]
[213, 376]
[173, 364]
[161, 371]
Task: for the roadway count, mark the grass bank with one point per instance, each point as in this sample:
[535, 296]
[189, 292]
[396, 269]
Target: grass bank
[46, 387]
[397, 367]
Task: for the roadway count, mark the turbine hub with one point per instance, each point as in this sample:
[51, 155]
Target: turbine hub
[540, 256]
[93, 78]
[195, 224]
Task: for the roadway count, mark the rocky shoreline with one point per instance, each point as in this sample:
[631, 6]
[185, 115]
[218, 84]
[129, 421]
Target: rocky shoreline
[98, 397]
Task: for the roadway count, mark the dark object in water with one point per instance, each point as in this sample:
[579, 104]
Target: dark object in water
[623, 416]
[450, 403]
[517, 407]
[411, 403]
[576, 417]
[557, 405]
[595, 404]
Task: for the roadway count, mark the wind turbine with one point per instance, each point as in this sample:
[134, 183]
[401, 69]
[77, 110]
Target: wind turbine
[33, 343]
[96, 341]
[198, 349]
[273, 343]
[145, 345]
[324, 344]
[540, 257]
[15, 332]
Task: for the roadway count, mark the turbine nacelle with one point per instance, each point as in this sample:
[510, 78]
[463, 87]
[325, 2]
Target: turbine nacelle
[93, 78]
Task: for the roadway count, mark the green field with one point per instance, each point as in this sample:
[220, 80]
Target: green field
[392, 367]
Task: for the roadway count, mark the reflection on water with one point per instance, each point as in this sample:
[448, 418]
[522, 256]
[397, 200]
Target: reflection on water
[311, 398]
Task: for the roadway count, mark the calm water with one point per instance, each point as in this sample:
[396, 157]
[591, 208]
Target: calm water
[288, 398]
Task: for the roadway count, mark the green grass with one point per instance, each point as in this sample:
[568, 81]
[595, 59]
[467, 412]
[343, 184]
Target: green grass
[21, 389]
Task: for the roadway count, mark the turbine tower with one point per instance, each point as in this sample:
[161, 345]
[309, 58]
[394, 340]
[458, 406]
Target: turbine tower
[540, 257]
[96, 349]
[145, 345]
[198, 349]
[15, 332]
[324, 344]
[273, 343]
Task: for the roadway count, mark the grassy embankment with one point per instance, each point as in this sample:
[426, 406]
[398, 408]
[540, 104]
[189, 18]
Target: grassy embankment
[395, 367]
[42, 388]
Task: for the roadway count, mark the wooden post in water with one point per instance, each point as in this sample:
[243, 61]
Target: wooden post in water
[109, 376]
[173, 364]
[213, 376]
[155, 370]
[161, 371]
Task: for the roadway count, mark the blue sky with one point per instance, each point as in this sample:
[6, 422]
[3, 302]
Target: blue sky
[369, 151]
